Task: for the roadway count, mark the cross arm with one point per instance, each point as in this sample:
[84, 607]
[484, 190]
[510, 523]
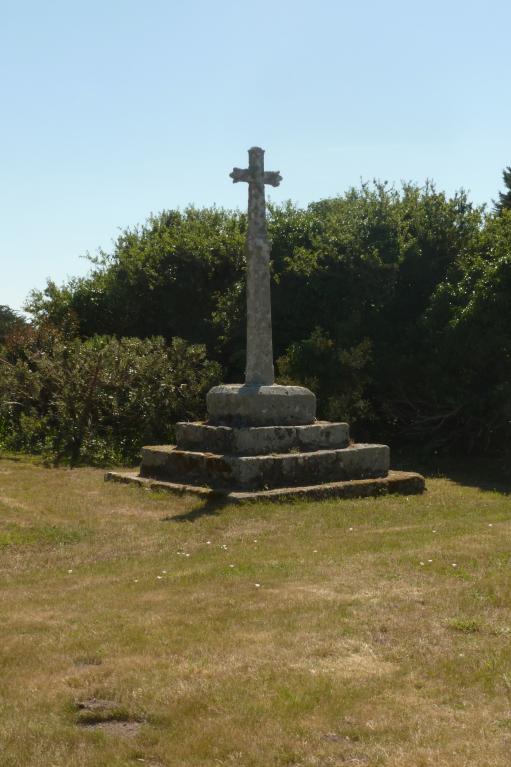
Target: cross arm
[272, 177]
[240, 174]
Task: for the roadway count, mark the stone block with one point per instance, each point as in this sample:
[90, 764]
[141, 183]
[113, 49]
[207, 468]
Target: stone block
[252, 405]
[405, 483]
[261, 440]
[264, 471]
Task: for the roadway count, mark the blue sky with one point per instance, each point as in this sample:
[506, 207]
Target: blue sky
[115, 109]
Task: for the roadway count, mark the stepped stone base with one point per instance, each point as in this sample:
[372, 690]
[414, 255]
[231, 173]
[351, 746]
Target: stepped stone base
[261, 440]
[402, 482]
[262, 472]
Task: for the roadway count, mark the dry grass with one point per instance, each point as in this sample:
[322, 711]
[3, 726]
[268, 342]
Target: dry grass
[349, 652]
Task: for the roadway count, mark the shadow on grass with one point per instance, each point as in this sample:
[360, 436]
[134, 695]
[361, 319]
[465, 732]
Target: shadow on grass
[208, 508]
[486, 474]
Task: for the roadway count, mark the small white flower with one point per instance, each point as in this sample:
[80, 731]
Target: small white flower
[454, 564]
[421, 564]
[208, 543]
[257, 585]
[164, 572]
[315, 551]
[433, 531]
[231, 565]
[351, 529]
[187, 555]
[70, 571]
[430, 561]
[255, 540]
[135, 580]
[159, 577]
[490, 525]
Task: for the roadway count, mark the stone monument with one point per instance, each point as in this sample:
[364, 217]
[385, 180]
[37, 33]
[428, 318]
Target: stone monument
[262, 440]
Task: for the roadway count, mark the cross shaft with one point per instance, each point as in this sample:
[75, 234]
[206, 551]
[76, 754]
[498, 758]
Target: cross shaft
[259, 365]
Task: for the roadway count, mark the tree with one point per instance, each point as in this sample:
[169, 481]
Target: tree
[163, 278]
[9, 320]
[392, 304]
[504, 202]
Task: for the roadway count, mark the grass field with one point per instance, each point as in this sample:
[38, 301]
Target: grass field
[145, 629]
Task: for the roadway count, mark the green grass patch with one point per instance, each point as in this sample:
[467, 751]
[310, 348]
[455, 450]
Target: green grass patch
[368, 632]
[465, 625]
[19, 535]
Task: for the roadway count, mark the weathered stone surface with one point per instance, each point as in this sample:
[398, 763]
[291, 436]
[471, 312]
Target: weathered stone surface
[261, 472]
[250, 405]
[259, 368]
[405, 483]
[261, 440]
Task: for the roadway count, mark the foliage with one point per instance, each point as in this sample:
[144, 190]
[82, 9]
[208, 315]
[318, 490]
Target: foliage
[471, 314]
[392, 304]
[9, 320]
[164, 278]
[337, 376]
[360, 293]
[100, 399]
[504, 201]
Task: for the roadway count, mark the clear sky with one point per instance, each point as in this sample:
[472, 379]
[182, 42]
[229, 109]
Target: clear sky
[113, 109]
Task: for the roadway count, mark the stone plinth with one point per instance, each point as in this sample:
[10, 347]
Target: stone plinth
[260, 472]
[261, 440]
[401, 482]
[253, 405]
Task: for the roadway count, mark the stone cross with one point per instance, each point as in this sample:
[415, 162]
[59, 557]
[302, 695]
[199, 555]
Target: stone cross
[259, 368]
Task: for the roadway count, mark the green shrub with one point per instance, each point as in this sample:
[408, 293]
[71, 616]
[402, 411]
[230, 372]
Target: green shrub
[392, 304]
[98, 400]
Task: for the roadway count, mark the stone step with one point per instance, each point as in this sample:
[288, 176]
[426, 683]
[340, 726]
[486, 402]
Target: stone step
[260, 472]
[261, 440]
[405, 482]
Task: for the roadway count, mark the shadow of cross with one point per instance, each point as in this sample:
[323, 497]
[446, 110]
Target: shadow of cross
[259, 365]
